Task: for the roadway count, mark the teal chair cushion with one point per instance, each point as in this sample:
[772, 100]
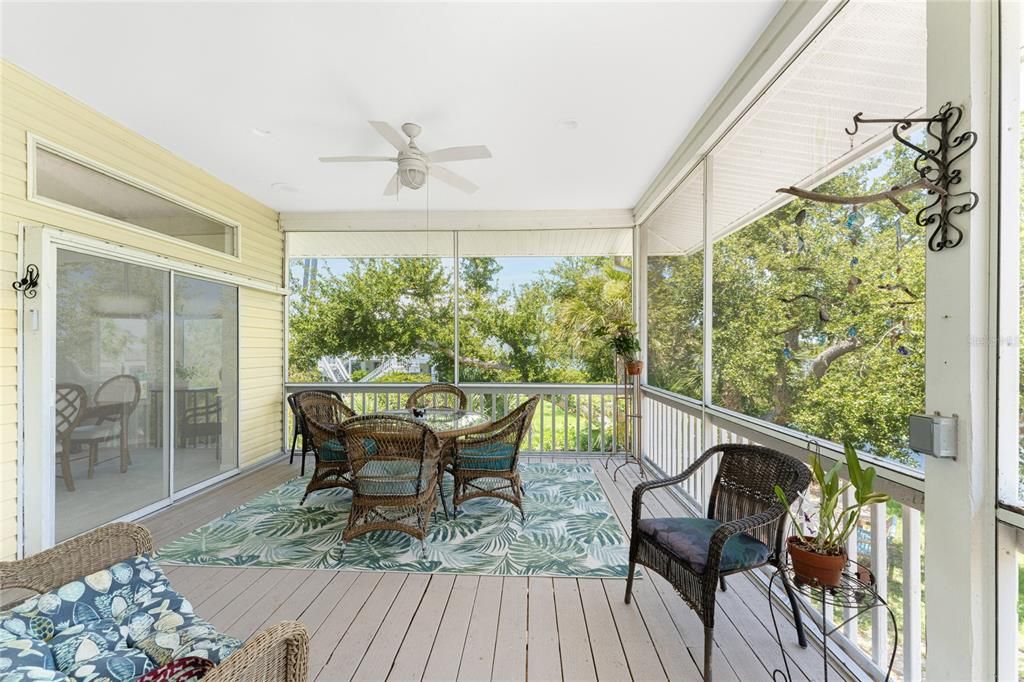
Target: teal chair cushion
[487, 457]
[388, 478]
[689, 539]
[332, 450]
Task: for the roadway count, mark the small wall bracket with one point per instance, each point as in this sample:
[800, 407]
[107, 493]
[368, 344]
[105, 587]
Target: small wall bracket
[27, 284]
[936, 166]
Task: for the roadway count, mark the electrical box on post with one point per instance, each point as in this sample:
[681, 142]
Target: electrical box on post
[933, 434]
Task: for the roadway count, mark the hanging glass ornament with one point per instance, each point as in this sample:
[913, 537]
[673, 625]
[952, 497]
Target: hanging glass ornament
[854, 260]
[902, 350]
[851, 332]
[800, 217]
[787, 353]
[854, 220]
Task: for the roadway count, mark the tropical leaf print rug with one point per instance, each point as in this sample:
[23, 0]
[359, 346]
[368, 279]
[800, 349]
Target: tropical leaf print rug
[569, 530]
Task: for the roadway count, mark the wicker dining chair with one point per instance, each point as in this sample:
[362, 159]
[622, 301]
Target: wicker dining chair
[277, 653]
[68, 408]
[320, 414]
[106, 419]
[744, 529]
[395, 473]
[293, 404]
[438, 395]
[486, 463]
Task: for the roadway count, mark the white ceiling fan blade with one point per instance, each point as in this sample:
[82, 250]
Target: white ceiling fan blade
[388, 132]
[347, 159]
[467, 153]
[453, 179]
[392, 186]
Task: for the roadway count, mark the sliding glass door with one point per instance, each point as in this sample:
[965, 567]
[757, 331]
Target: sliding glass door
[140, 365]
[205, 380]
[111, 360]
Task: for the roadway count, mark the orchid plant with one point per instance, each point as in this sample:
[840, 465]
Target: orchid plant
[835, 523]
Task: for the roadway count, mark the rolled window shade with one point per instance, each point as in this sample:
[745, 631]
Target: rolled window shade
[377, 244]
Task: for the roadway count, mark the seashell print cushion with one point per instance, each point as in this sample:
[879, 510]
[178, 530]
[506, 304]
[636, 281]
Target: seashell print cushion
[22, 654]
[117, 666]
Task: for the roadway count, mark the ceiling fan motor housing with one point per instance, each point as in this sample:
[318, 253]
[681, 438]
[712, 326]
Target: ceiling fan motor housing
[412, 171]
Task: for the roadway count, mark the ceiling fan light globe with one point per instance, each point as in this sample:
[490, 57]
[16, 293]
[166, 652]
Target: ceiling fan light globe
[412, 172]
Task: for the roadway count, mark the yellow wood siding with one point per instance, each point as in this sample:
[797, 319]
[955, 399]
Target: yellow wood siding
[28, 105]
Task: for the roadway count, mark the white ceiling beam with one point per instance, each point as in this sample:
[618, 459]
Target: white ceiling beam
[370, 221]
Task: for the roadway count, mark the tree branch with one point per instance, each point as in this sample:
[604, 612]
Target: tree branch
[890, 194]
[821, 363]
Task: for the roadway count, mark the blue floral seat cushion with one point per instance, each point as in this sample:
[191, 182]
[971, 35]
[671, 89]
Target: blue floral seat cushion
[487, 457]
[690, 538]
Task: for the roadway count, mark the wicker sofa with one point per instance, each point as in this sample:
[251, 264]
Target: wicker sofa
[278, 653]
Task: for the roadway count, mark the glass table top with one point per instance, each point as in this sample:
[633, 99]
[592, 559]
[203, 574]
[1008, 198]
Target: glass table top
[442, 419]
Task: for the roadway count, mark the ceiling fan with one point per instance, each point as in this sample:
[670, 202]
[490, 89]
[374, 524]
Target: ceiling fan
[414, 164]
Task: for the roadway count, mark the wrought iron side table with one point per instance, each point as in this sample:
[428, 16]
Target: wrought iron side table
[857, 591]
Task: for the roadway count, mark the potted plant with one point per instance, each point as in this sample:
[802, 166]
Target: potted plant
[627, 346]
[819, 554]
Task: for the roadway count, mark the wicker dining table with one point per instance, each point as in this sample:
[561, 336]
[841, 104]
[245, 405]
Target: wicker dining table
[448, 424]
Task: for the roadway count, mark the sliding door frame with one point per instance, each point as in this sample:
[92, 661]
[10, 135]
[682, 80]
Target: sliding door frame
[37, 375]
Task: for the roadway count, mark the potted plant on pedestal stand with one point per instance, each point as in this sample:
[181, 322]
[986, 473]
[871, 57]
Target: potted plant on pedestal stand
[627, 346]
[818, 554]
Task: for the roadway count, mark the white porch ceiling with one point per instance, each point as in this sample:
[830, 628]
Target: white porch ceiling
[197, 78]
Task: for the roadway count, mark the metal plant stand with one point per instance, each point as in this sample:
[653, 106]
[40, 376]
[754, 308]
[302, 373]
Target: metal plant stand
[856, 593]
[627, 413]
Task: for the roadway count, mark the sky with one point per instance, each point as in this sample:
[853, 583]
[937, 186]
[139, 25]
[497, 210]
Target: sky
[515, 271]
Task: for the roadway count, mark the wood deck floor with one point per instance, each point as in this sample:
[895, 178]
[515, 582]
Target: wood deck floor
[411, 626]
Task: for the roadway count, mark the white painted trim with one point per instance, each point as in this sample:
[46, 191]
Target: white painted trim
[1006, 278]
[34, 142]
[38, 384]
[396, 221]
[102, 247]
[790, 30]
[1010, 517]
[962, 61]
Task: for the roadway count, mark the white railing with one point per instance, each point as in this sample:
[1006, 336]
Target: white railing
[676, 431]
[571, 418]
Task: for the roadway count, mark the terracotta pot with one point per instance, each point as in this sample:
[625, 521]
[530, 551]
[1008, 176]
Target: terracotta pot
[634, 367]
[815, 569]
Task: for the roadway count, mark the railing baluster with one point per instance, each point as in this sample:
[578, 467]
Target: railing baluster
[879, 566]
[911, 594]
[577, 410]
[850, 629]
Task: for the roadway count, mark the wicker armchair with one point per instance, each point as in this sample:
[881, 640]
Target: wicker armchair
[745, 528]
[395, 470]
[320, 414]
[438, 395]
[68, 407]
[106, 419]
[293, 404]
[278, 653]
[486, 463]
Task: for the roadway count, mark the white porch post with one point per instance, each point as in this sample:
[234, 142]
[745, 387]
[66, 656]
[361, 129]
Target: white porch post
[960, 533]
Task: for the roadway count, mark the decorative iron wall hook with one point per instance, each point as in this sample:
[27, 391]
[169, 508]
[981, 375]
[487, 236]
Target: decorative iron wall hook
[936, 166]
[27, 284]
